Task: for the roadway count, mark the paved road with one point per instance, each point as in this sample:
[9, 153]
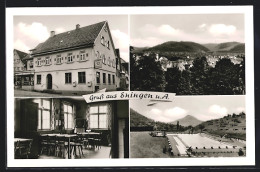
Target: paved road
[23, 93]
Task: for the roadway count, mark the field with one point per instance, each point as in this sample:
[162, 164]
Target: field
[142, 145]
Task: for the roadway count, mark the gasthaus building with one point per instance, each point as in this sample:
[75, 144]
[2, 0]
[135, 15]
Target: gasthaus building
[82, 60]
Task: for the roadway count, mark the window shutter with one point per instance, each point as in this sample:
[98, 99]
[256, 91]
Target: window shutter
[87, 58]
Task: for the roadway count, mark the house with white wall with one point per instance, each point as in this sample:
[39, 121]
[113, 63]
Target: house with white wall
[78, 61]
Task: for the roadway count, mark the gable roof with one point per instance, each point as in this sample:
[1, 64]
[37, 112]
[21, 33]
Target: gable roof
[21, 54]
[84, 36]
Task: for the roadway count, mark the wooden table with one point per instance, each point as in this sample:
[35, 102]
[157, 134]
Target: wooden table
[21, 140]
[68, 136]
[90, 134]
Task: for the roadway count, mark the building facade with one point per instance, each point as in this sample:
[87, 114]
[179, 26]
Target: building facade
[82, 60]
[23, 71]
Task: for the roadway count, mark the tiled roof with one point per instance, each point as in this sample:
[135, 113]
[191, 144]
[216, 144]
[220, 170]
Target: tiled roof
[21, 54]
[77, 37]
[28, 57]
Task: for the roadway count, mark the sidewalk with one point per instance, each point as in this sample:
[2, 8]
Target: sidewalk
[23, 93]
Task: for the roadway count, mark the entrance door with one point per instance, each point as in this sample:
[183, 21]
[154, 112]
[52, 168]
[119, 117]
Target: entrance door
[49, 81]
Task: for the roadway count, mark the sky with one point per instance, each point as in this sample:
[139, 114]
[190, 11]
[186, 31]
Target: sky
[201, 107]
[29, 31]
[151, 30]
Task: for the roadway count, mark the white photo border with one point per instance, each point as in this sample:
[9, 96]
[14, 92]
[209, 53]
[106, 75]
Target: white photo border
[250, 112]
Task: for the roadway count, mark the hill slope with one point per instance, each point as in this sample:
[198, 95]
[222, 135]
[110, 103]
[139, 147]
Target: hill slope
[136, 119]
[188, 120]
[226, 47]
[173, 46]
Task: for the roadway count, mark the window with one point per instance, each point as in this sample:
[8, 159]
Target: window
[98, 116]
[68, 116]
[103, 58]
[39, 79]
[104, 78]
[113, 63]
[109, 79]
[113, 79]
[67, 78]
[59, 58]
[44, 114]
[82, 77]
[39, 62]
[102, 40]
[82, 57]
[47, 61]
[97, 55]
[70, 59]
[108, 44]
[109, 61]
[31, 64]
[98, 77]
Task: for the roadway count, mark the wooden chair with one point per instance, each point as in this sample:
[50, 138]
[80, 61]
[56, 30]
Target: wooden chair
[24, 148]
[62, 147]
[76, 144]
[44, 144]
[52, 142]
[16, 149]
[97, 140]
[91, 142]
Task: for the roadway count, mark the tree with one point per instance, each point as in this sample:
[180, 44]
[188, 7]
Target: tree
[172, 76]
[201, 127]
[199, 76]
[225, 77]
[184, 85]
[150, 76]
[178, 126]
[134, 70]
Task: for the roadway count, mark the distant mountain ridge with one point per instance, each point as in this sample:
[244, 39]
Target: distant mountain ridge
[187, 120]
[193, 47]
[226, 47]
[179, 47]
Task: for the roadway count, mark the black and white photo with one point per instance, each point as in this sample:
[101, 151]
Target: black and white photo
[201, 126]
[83, 55]
[69, 128]
[188, 54]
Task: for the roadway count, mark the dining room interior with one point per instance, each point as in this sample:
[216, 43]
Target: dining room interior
[70, 128]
